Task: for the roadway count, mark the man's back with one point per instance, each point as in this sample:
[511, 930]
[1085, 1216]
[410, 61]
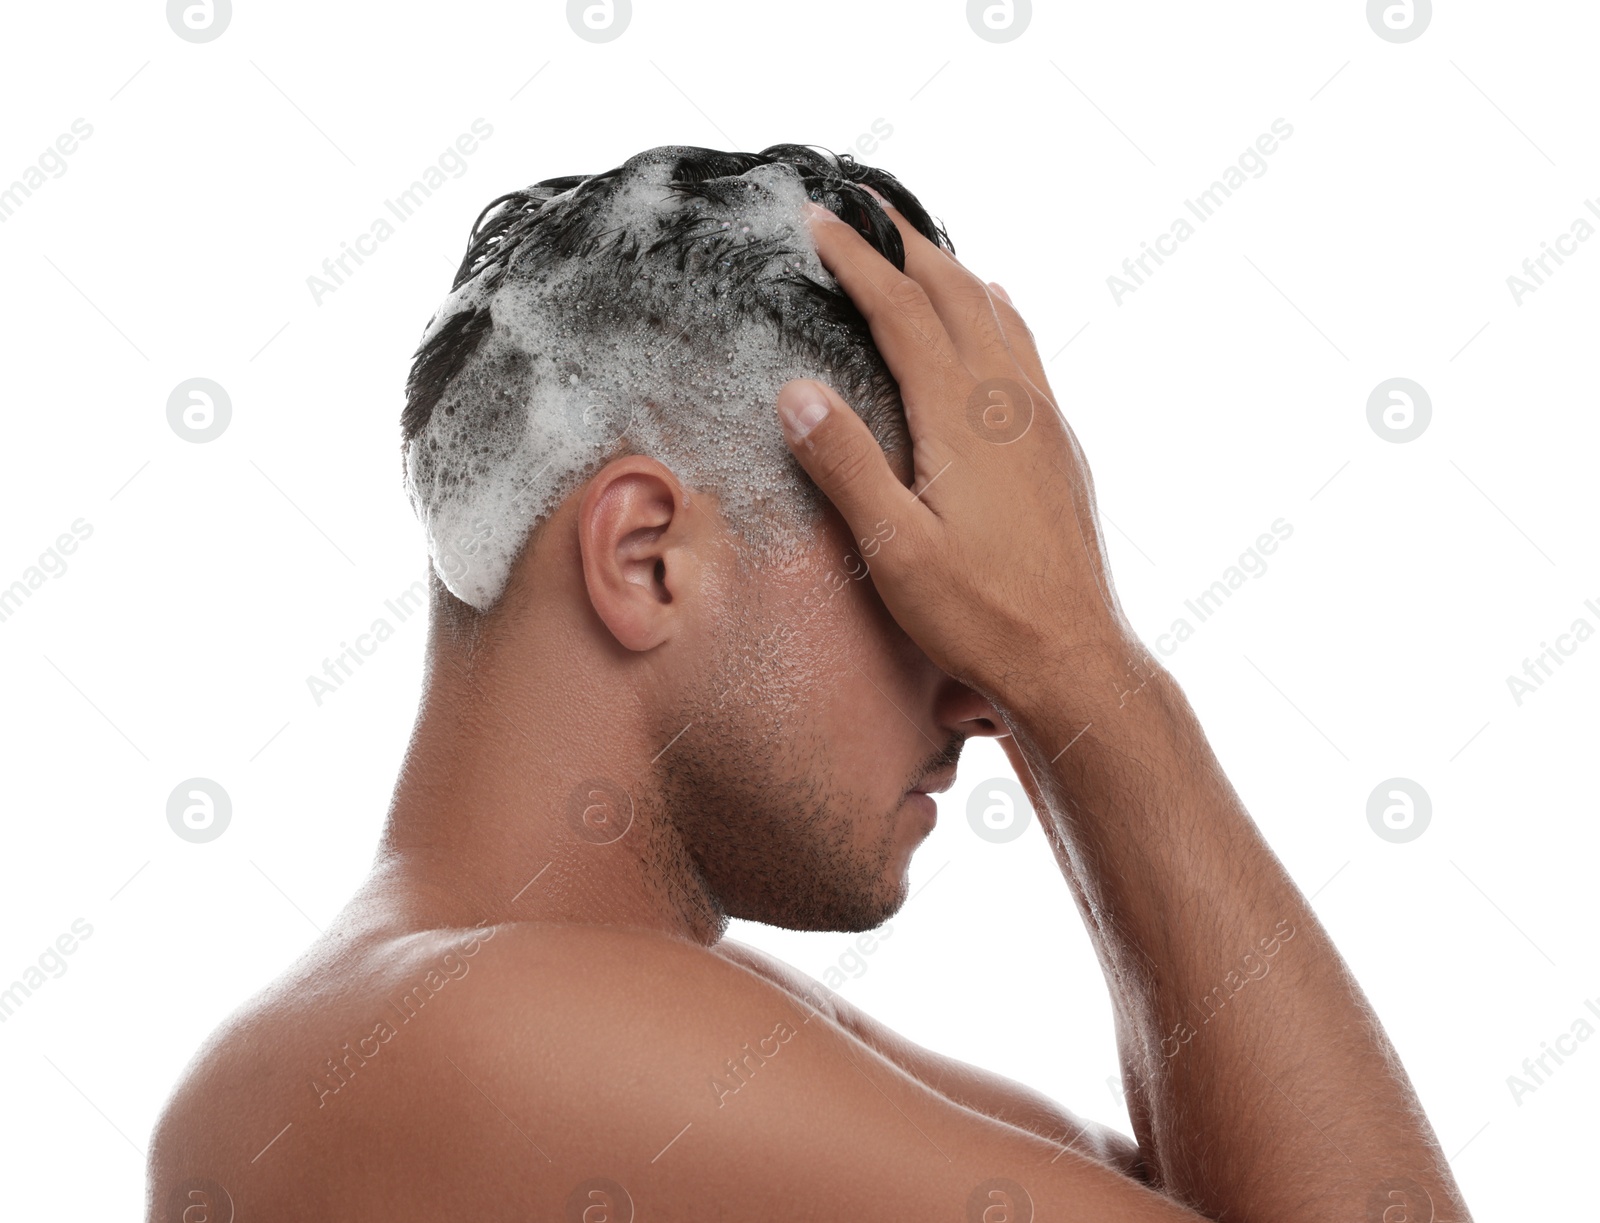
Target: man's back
[393, 1073]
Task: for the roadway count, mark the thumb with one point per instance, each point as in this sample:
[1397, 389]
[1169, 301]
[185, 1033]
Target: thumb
[839, 452]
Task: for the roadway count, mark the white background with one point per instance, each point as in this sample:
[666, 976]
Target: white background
[1227, 392]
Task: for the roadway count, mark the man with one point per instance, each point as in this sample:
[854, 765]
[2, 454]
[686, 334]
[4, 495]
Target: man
[671, 682]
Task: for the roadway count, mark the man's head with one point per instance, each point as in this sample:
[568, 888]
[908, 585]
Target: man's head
[591, 445]
[653, 309]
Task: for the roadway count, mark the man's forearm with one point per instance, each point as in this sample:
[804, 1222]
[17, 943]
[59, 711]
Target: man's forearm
[1261, 1086]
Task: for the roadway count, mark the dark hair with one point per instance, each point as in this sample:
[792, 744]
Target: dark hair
[692, 275]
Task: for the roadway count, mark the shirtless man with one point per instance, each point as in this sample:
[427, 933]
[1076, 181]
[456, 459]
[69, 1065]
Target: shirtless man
[631, 733]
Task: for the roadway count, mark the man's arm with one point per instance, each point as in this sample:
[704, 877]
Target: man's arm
[973, 1087]
[706, 1091]
[1262, 1085]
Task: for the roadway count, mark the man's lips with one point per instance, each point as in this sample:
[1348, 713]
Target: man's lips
[938, 783]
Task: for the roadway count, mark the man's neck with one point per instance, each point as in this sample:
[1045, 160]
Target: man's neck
[519, 801]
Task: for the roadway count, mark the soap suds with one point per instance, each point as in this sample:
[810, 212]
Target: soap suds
[683, 364]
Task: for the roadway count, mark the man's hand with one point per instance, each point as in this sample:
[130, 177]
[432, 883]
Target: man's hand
[992, 560]
[1253, 1095]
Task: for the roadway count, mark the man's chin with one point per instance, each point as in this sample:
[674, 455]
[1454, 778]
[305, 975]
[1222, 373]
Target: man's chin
[855, 915]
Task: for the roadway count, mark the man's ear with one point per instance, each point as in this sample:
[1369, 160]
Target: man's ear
[638, 548]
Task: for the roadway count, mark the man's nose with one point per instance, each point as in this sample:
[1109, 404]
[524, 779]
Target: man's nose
[966, 712]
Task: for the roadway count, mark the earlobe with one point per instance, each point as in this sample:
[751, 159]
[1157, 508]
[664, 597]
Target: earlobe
[632, 540]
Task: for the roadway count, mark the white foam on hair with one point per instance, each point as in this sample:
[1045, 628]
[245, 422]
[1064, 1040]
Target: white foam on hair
[560, 381]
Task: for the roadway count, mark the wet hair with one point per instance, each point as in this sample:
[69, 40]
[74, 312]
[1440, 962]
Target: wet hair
[652, 309]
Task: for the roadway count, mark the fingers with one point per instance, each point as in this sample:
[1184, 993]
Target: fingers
[904, 324]
[984, 325]
[840, 454]
[961, 300]
[1019, 336]
[938, 326]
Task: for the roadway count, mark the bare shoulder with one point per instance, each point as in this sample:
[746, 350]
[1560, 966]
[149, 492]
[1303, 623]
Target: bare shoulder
[537, 1071]
[408, 1070]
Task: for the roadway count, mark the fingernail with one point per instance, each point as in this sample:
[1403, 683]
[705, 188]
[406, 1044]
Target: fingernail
[817, 212]
[1006, 297]
[803, 413]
